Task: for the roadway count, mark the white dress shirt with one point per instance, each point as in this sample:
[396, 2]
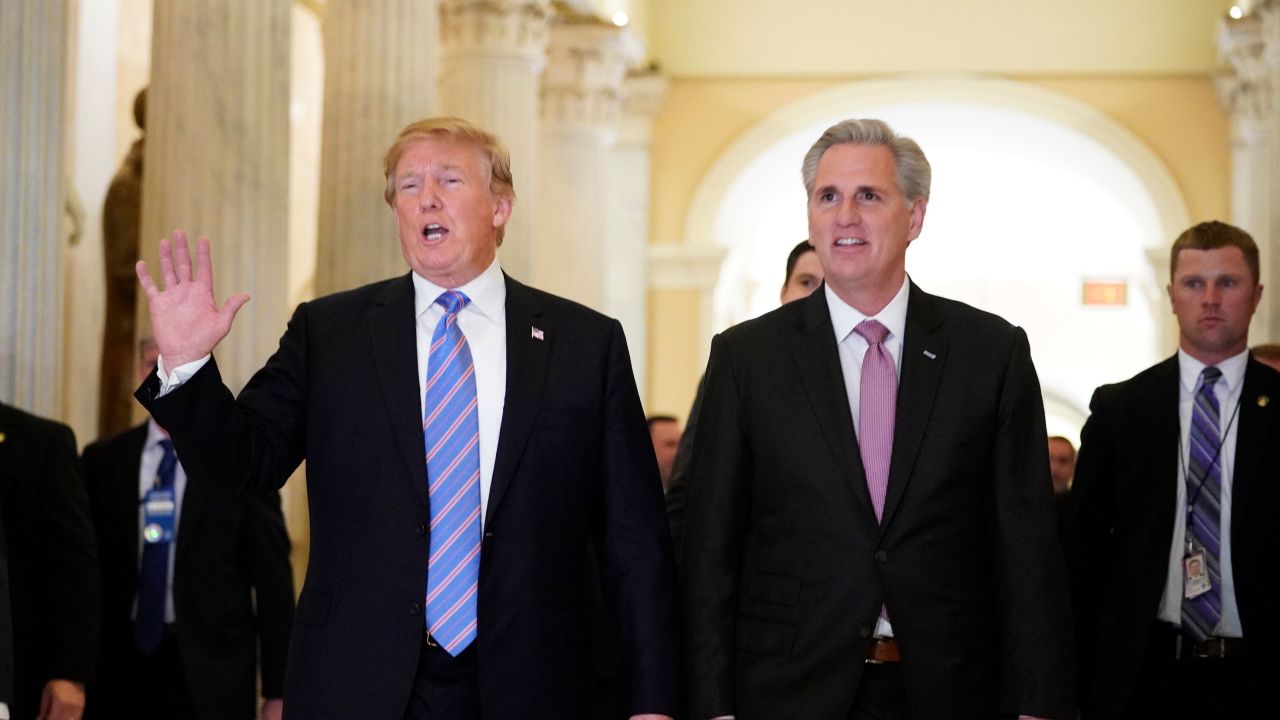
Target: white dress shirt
[483, 322]
[1228, 389]
[148, 469]
[852, 347]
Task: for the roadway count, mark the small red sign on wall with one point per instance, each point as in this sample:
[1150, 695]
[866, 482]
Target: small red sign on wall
[1105, 292]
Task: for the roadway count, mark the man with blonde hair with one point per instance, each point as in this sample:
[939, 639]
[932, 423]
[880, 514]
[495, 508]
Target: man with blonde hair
[450, 588]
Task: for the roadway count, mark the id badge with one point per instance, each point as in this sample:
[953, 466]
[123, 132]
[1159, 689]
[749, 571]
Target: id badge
[1196, 574]
[157, 516]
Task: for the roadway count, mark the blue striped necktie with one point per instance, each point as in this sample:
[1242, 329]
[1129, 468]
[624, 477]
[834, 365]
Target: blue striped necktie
[451, 430]
[1200, 615]
[153, 574]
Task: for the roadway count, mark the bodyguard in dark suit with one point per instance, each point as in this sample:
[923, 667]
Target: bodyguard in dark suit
[870, 527]
[450, 588]
[52, 577]
[228, 601]
[1173, 539]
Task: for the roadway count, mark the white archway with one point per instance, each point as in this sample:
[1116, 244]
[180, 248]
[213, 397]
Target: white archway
[1034, 193]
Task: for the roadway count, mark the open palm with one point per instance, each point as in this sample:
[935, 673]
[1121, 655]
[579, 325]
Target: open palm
[185, 319]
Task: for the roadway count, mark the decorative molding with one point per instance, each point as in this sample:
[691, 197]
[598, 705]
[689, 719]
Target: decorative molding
[505, 26]
[642, 93]
[1245, 100]
[582, 85]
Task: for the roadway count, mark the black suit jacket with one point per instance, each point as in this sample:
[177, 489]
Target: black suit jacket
[53, 583]
[230, 555]
[1121, 527]
[786, 568]
[574, 460]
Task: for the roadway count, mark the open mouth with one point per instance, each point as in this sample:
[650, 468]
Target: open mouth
[849, 242]
[434, 231]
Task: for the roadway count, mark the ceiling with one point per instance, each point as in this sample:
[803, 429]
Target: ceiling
[835, 38]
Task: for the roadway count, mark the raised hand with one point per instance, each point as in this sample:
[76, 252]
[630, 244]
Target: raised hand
[185, 320]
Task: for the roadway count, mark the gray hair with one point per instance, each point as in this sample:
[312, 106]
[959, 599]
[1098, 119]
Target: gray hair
[912, 168]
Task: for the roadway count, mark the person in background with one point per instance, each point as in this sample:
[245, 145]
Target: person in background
[190, 613]
[1268, 354]
[52, 568]
[664, 431]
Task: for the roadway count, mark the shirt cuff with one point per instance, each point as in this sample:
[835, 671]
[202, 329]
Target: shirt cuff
[170, 381]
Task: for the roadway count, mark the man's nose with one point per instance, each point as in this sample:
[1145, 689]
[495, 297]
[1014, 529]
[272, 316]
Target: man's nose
[848, 213]
[429, 199]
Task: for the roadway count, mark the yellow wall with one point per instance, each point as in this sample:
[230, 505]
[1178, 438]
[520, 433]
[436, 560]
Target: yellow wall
[1178, 117]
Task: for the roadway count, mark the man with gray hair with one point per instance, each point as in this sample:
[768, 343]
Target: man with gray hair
[870, 526]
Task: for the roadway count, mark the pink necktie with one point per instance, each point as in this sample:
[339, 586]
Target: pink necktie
[877, 397]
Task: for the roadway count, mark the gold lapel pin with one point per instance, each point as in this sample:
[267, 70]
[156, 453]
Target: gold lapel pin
[1, 437]
[1263, 401]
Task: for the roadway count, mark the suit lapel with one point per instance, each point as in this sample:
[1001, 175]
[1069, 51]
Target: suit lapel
[924, 353]
[527, 358]
[818, 361]
[392, 346]
[1258, 428]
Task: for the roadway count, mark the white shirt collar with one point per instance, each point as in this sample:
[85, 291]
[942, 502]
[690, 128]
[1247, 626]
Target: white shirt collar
[487, 291]
[1232, 368]
[844, 317]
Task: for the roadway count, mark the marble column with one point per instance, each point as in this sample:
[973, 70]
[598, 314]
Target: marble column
[34, 75]
[581, 104]
[492, 53]
[1259, 69]
[1245, 89]
[218, 157]
[626, 271]
[380, 74]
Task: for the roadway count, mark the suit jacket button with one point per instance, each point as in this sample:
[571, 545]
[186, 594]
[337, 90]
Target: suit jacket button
[881, 556]
[864, 632]
[415, 608]
[422, 528]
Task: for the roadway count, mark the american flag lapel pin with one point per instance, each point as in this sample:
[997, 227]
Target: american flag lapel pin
[536, 333]
[930, 355]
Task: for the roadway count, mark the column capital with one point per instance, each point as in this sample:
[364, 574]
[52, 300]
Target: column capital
[500, 28]
[1267, 13]
[642, 92]
[587, 59]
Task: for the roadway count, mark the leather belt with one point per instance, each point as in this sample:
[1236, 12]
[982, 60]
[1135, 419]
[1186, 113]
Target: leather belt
[883, 650]
[1217, 647]
[1186, 648]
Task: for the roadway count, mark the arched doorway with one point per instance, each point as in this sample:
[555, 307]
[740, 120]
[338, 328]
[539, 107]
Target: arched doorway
[1034, 195]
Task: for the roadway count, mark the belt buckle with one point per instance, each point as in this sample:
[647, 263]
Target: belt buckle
[1212, 647]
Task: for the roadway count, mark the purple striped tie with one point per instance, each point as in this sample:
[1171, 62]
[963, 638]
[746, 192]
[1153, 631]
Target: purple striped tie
[451, 430]
[878, 393]
[1200, 615]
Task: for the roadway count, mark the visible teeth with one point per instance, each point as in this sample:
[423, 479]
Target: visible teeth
[850, 241]
[435, 231]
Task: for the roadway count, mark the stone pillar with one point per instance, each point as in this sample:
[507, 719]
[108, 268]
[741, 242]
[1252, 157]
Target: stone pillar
[581, 92]
[218, 157]
[34, 82]
[1268, 11]
[626, 279]
[1247, 92]
[493, 52]
[380, 75]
